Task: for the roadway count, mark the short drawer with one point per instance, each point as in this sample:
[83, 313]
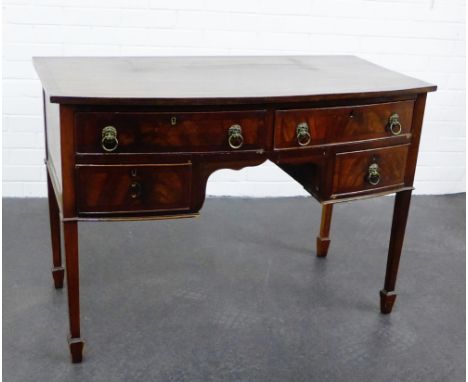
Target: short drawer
[120, 189]
[311, 127]
[143, 132]
[366, 170]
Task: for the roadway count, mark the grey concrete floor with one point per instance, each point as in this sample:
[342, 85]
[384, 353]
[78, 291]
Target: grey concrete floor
[238, 295]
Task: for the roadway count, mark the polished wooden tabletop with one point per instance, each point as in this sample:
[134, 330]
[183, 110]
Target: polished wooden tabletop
[211, 80]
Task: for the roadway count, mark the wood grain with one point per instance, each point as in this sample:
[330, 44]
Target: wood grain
[155, 132]
[351, 169]
[217, 80]
[341, 124]
[109, 189]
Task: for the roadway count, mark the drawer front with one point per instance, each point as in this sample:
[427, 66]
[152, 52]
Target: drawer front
[342, 124]
[114, 189]
[131, 132]
[369, 169]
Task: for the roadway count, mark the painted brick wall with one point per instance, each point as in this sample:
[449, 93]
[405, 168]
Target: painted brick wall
[422, 38]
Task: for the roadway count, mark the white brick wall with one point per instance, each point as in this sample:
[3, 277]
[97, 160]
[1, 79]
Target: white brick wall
[422, 38]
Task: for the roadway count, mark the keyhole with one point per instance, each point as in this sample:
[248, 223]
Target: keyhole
[173, 121]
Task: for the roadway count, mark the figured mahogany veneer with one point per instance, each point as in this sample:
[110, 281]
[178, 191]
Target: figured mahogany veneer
[341, 124]
[137, 138]
[122, 189]
[350, 174]
[170, 132]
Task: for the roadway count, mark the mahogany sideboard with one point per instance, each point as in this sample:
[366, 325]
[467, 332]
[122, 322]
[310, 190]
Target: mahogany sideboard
[136, 138]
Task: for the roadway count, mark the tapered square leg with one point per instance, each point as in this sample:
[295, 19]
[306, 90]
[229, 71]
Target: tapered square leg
[322, 246]
[323, 240]
[70, 235]
[400, 217]
[58, 272]
[387, 299]
[76, 349]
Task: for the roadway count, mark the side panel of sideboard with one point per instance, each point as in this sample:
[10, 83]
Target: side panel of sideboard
[52, 142]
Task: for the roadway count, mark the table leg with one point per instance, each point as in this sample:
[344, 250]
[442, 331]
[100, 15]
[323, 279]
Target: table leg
[400, 216]
[323, 240]
[76, 343]
[54, 215]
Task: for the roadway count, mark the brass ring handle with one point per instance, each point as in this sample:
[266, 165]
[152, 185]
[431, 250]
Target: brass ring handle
[373, 176]
[109, 141]
[302, 134]
[235, 138]
[394, 124]
[135, 190]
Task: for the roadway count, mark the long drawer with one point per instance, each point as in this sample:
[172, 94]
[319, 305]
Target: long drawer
[120, 189]
[143, 132]
[318, 126]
